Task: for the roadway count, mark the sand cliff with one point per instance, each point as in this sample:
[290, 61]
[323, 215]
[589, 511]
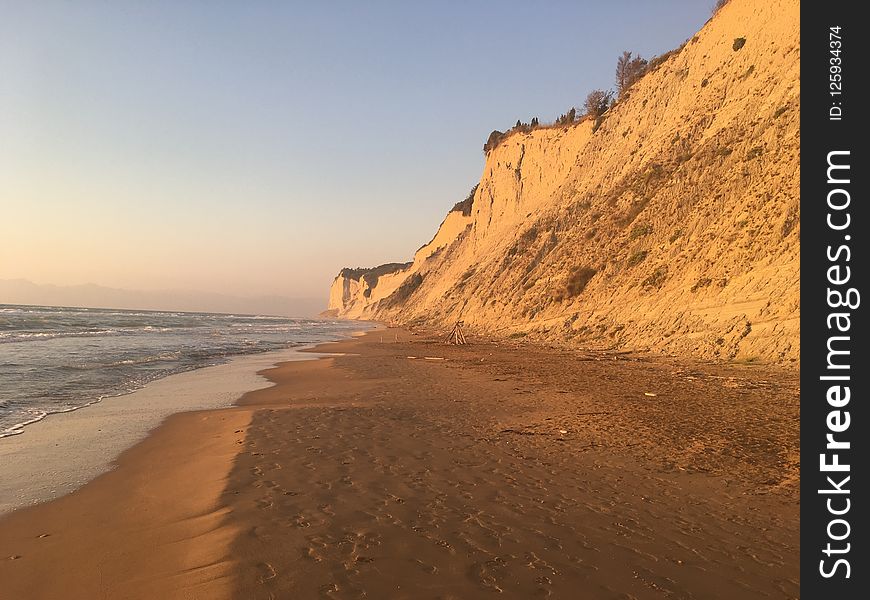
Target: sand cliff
[673, 227]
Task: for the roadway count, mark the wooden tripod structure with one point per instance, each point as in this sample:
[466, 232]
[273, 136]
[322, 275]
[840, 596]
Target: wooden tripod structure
[456, 336]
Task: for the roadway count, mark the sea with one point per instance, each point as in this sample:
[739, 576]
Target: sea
[55, 360]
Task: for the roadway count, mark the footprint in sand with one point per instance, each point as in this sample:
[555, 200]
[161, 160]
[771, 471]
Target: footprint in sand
[265, 502]
[536, 562]
[316, 548]
[267, 572]
[300, 521]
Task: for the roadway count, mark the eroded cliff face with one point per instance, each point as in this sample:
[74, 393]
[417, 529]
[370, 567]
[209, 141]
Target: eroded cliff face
[355, 291]
[673, 227]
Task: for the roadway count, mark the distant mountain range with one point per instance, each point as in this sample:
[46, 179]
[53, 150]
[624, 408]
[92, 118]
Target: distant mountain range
[22, 291]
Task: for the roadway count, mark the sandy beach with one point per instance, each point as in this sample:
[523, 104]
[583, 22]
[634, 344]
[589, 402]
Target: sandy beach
[66, 450]
[406, 468]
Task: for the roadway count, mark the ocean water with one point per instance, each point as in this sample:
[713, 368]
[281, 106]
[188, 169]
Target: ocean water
[62, 359]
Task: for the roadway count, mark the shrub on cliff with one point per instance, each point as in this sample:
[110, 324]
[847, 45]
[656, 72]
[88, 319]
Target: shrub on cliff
[640, 230]
[636, 258]
[493, 140]
[597, 102]
[568, 118]
[656, 61]
[465, 205]
[628, 70]
[353, 273]
[656, 279]
[371, 275]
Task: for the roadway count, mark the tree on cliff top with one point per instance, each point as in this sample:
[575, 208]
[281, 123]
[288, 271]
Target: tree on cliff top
[492, 141]
[568, 118]
[628, 70]
[597, 102]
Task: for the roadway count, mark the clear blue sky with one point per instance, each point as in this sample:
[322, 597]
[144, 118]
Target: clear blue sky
[257, 147]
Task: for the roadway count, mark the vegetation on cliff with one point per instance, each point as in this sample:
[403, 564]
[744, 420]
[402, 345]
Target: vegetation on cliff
[666, 221]
[372, 274]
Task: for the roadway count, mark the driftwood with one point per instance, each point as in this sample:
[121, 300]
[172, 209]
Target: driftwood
[456, 336]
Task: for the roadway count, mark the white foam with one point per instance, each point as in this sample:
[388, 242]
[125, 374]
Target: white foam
[66, 450]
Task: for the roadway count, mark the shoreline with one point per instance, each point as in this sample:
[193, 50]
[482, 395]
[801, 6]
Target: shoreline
[491, 468]
[63, 451]
[100, 537]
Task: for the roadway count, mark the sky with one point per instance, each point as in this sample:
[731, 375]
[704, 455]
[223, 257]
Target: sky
[256, 148]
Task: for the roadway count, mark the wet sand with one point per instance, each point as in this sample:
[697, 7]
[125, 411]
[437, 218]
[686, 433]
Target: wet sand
[497, 468]
[64, 451]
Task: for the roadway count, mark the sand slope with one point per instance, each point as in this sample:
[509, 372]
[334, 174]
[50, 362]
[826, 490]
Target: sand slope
[684, 204]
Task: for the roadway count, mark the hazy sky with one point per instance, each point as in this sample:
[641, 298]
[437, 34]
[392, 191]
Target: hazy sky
[257, 147]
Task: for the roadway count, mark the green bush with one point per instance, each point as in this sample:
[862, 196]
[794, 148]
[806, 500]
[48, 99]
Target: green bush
[636, 258]
[640, 230]
[656, 279]
[754, 153]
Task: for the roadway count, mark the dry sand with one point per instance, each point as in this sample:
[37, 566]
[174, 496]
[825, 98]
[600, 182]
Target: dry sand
[533, 472]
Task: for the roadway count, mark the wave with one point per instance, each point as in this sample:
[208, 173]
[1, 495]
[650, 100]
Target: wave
[163, 357]
[39, 414]
[25, 336]
[112, 352]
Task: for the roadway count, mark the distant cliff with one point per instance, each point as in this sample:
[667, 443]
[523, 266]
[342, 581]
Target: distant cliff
[673, 225]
